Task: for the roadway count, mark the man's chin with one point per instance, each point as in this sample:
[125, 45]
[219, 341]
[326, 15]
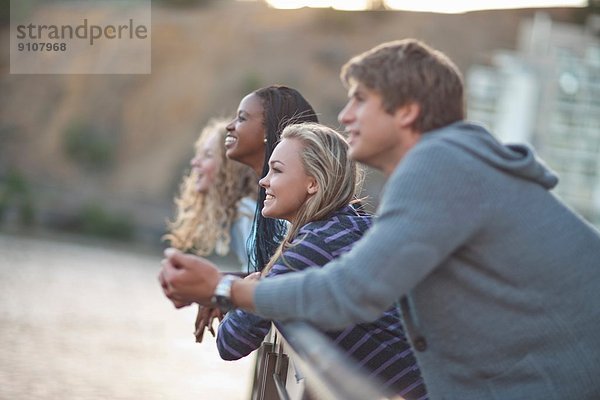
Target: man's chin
[360, 158]
[353, 153]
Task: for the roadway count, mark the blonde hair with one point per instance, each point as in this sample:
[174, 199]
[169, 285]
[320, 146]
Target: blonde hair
[324, 157]
[203, 220]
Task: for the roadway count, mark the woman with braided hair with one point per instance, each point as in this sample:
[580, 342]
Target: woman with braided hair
[251, 137]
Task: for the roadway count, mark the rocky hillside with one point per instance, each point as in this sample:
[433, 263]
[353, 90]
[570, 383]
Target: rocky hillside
[122, 141]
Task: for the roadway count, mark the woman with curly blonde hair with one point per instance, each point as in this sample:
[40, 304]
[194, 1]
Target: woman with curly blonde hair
[216, 202]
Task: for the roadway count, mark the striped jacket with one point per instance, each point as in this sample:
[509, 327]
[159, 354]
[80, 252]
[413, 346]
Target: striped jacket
[380, 347]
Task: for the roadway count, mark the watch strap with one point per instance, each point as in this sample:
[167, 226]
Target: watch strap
[222, 296]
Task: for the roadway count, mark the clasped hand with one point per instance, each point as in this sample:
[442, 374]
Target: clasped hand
[187, 279]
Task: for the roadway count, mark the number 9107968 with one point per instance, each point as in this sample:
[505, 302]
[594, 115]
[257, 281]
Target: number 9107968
[41, 46]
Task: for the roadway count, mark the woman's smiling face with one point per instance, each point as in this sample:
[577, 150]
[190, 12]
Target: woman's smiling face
[245, 141]
[287, 185]
[206, 163]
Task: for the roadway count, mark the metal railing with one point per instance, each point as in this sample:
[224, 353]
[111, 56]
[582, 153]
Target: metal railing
[318, 364]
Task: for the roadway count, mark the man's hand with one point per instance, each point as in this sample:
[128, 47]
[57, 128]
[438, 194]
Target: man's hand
[187, 279]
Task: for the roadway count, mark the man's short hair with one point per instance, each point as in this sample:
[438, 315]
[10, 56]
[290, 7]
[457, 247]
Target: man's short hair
[406, 71]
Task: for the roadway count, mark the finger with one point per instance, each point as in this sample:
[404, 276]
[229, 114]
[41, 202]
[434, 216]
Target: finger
[180, 261]
[169, 266]
[180, 303]
[165, 273]
[253, 276]
[177, 300]
[210, 325]
[169, 251]
[161, 279]
[198, 317]
[175, 257]
[166, 288]
[199, 331]
[170, 277]
[216, 313]
[203, 320]
[199, 335]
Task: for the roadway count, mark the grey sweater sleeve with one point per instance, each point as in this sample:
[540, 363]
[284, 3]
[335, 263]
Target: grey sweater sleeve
[432, 204]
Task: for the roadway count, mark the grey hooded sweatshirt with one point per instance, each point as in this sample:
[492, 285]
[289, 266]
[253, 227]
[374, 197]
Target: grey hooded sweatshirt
[497, 280]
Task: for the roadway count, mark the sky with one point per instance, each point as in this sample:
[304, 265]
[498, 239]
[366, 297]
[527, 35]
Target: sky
[442, 6]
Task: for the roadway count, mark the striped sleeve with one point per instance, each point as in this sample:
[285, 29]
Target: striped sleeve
[240, 333]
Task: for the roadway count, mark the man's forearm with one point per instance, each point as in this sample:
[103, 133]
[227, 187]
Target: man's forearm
[242, 294]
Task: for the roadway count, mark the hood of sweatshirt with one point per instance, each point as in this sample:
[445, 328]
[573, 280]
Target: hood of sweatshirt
[516, 159]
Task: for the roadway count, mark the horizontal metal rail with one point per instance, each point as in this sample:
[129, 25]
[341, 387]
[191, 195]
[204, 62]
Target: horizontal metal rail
[328, 372]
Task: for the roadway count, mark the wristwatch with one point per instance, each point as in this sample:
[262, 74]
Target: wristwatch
[222, 296]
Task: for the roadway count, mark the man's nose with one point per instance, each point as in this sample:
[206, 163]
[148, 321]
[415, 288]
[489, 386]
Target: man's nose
[345, 116]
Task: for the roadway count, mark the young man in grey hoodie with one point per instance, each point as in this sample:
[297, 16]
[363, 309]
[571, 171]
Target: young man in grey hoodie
[498, 281]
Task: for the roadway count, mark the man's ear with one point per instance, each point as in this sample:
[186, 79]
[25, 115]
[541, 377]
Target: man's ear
[313, 186]
[407, 114]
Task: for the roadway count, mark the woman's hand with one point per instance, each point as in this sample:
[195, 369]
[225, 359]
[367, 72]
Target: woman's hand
[252, 277]
[204, 320]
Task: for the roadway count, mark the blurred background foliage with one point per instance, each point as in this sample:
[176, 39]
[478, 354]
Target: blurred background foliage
[94, 219]
[16, 195]
[89, 148]
[185, 3]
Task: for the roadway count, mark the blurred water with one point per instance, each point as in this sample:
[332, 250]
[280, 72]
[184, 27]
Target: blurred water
[80, 322]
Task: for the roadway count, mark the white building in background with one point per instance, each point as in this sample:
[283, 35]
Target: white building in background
[547, 93]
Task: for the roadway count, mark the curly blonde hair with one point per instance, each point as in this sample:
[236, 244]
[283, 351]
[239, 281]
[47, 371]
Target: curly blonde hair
[203, 220]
